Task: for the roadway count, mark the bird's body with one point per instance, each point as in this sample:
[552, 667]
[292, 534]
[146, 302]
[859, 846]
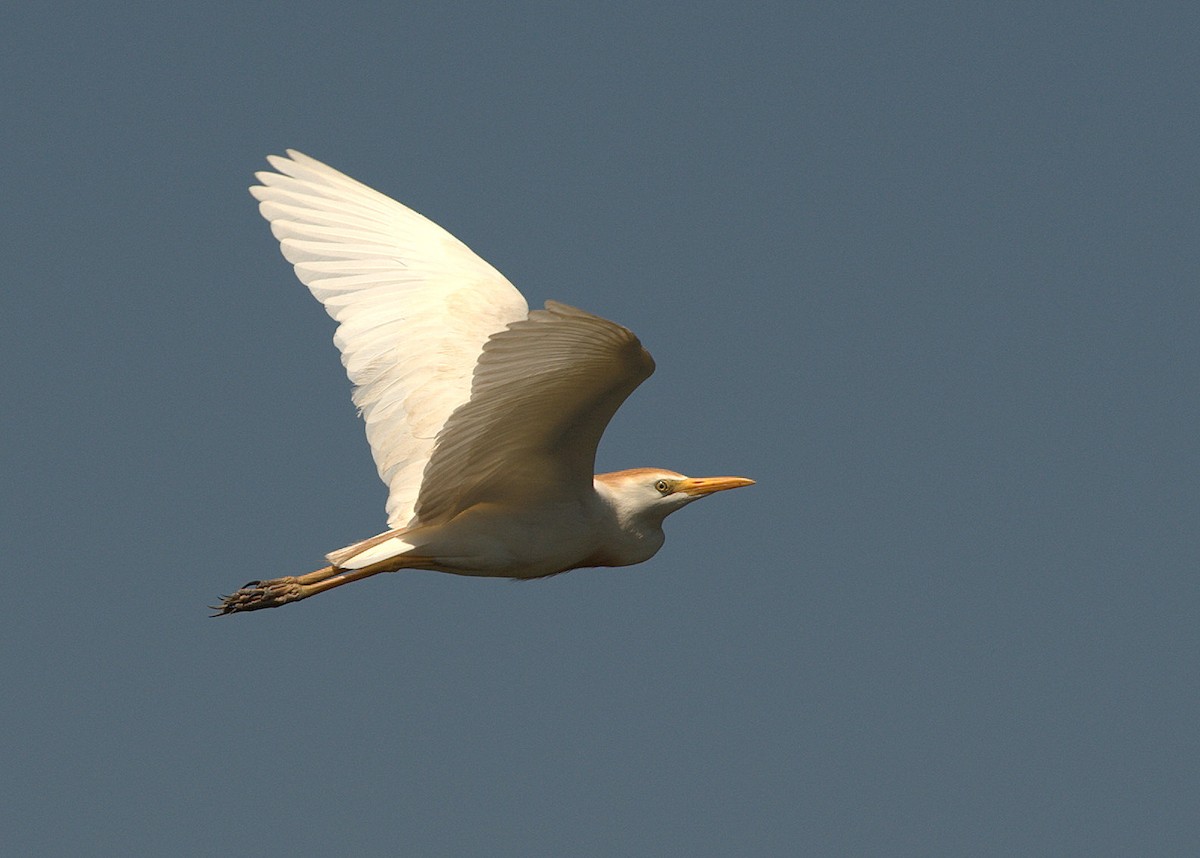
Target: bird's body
[483, 417]
[528, 541]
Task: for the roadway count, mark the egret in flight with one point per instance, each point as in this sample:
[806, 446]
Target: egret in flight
[483, 417]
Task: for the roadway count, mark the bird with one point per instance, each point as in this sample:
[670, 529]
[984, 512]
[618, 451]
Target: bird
[483, 416]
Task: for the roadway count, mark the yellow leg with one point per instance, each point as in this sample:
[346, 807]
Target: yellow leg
[272, 593]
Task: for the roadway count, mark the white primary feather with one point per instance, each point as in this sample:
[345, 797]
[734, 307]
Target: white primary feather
[414, 305]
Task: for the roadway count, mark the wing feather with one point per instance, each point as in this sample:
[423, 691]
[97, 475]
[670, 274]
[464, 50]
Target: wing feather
[544, 391]
[414, 306]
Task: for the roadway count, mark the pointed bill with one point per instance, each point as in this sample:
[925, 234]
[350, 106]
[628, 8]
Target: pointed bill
[707, 485]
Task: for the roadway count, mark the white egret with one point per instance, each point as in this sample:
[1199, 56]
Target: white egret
[483, 417]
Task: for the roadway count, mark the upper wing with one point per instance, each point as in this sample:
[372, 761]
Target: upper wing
[544, 391]
[415, 307]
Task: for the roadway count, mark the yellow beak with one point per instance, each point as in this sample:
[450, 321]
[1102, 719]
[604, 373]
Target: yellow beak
[708, 485]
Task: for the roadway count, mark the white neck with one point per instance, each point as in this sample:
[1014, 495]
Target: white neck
[635, 532]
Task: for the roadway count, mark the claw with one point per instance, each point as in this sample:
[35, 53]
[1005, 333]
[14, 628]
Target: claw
[256, 595]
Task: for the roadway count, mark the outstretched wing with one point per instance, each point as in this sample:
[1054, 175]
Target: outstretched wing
[544, 391]
[414, 305]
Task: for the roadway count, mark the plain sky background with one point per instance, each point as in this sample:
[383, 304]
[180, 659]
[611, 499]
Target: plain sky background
[929, 272]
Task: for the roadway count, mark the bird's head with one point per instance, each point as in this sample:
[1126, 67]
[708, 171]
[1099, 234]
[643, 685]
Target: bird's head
[653, 493]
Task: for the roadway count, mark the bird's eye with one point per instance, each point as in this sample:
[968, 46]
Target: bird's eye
[663, 486]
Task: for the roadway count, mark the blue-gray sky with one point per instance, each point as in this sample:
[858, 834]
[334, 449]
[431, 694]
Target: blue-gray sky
[928, 272]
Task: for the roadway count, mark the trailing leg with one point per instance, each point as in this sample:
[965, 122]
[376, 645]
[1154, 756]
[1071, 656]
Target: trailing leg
[272, 593]
[257, 595]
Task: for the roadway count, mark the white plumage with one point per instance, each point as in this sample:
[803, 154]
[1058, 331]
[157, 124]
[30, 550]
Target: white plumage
[413, 303]
[483, 418]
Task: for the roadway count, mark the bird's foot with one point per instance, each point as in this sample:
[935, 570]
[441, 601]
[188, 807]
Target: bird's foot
[256, 595]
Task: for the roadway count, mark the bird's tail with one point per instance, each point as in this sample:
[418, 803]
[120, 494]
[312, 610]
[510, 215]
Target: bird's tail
[377, 549]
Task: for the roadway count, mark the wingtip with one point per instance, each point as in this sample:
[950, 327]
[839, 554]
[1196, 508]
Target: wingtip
[278, 162]
[300, 158]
